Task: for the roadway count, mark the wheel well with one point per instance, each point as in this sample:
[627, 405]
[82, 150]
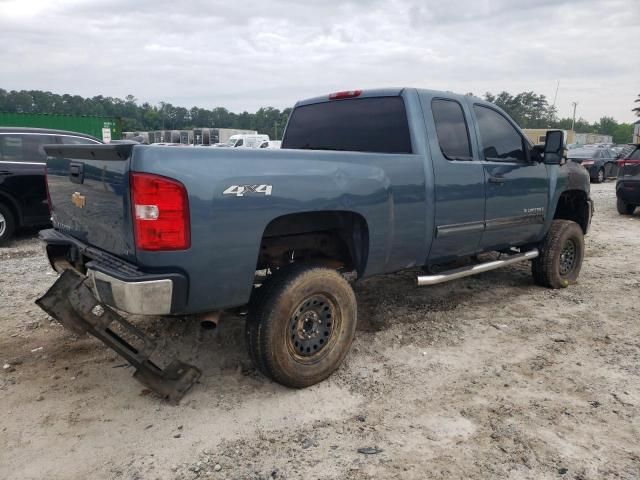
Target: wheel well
[338, 237]
[13, 206]
[573, 205]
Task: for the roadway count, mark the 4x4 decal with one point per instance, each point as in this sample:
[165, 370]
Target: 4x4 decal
[241, 190]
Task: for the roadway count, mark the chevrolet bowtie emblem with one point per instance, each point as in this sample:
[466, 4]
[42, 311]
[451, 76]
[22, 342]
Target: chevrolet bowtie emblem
[78, 199]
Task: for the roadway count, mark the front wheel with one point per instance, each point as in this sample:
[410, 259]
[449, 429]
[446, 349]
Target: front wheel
[561, 255]
[624, 208]
[301, 324]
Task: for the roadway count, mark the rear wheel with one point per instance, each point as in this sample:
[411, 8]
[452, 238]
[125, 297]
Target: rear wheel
[600, 176]
[7, 224]
[561, 255]
[624, 208]
[301, 324]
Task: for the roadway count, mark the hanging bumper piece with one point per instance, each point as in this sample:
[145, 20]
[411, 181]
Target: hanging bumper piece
[71, 302]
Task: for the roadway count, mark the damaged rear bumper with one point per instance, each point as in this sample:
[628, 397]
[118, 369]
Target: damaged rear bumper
[115, 282]
[71, 301]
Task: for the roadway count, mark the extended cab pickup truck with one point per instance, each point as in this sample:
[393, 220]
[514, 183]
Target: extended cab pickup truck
[366, 182]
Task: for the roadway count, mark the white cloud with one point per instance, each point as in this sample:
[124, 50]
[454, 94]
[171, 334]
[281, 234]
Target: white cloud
[244, 55]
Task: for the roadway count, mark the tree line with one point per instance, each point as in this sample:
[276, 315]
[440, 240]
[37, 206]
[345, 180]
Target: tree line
[528, 109]
[144, 116]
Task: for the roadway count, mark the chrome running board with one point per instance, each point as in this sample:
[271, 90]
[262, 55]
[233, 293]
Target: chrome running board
[474, 269]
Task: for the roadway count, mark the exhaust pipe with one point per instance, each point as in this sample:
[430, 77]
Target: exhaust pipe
[474, 269]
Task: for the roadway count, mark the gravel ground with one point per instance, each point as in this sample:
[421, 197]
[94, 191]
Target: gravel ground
[486, 377]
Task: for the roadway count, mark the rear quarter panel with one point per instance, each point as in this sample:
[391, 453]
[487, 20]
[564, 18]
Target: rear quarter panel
[226, 230]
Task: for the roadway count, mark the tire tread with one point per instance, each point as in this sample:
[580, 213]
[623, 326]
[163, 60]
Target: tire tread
[262, 304]
[543, 267]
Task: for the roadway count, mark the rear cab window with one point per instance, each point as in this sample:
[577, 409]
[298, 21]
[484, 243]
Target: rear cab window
[370, 124]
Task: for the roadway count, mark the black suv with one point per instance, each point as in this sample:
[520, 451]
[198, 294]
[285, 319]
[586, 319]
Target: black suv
[628, 183]
[23, 195]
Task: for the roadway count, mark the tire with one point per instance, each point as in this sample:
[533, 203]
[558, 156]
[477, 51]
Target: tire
[7, 224]
[624, 208]
[561, 255]
[293, 340]
[600, 177]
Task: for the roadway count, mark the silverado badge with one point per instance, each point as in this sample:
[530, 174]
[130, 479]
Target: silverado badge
[78, 199]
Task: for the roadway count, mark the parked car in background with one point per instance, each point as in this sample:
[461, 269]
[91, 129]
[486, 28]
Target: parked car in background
[23, 195]
[599, 162]
[623, 151]
[270, 144]
[628, 182]
[245, 141]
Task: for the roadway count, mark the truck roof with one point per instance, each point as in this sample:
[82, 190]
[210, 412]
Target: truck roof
[384, 92]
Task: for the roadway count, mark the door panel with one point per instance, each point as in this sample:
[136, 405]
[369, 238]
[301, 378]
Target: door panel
[516, 203]
[22, 164]
[459, 180]
[517, 188]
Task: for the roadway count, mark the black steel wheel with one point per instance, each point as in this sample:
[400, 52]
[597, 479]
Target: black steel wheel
[568, 257]
[301, 324]
[311, 326]
[561, 255]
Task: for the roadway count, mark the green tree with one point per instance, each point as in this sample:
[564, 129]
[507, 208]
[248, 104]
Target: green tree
[636, 110]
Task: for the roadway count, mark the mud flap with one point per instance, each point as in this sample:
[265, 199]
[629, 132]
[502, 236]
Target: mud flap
[72, 303]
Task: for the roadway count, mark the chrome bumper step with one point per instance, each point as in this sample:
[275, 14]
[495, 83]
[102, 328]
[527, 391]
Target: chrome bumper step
[467, 271]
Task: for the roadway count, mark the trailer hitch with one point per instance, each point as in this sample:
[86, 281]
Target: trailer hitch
[72, 303]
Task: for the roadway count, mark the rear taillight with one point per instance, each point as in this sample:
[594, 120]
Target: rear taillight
[625, 162]
[345, 94]
[160, 210]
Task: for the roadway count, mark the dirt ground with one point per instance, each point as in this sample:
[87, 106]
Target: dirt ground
[486, 377]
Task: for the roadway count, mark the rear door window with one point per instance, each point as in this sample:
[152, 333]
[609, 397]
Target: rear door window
[500, 141]
[11, 148]
[375, 124]
[72, 140]
[24, 148]
[451, 129]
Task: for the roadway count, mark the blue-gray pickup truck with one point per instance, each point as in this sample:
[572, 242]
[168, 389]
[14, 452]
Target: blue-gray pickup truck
[366, 183]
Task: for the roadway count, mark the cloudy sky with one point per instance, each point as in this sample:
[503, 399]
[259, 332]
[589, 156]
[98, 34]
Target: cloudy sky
[243, 55]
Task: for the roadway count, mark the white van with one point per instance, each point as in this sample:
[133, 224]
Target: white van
[246, 140]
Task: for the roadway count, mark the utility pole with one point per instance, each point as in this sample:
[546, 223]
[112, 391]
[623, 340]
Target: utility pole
[573, 122]
[555, 97]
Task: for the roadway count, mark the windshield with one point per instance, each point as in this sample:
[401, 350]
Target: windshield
[231, 142]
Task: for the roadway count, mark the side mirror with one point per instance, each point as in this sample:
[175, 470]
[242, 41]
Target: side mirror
[555, 147]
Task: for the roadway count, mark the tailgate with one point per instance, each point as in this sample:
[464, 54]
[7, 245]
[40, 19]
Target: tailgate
[88, 188]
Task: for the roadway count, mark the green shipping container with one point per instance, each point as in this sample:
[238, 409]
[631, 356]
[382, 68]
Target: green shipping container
[74, 123]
